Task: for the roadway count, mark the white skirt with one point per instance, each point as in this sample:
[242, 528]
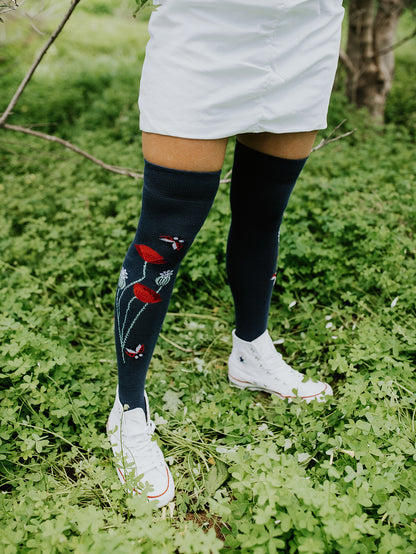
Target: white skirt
[217, 68]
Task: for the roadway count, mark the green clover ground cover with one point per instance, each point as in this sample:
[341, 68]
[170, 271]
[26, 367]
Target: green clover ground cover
[253, 473]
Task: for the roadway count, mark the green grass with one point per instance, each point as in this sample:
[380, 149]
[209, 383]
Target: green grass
[253, 474]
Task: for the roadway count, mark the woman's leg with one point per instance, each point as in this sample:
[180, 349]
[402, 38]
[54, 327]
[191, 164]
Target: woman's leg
[181, 178]
[180, 182]
[266, 168]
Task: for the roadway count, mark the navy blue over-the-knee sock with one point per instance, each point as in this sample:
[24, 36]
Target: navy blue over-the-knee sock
[260, 189]
[174, 206]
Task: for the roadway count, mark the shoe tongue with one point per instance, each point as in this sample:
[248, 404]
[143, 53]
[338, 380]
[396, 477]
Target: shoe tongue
[265, 344]
[135, 421]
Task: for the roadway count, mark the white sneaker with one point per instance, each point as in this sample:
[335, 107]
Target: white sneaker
[138, 456]
[256, 365]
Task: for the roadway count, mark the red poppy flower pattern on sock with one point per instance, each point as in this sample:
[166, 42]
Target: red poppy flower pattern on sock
[144, 294]
[149, 255]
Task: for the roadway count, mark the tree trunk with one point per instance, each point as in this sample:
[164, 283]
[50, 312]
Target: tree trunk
[369, 59]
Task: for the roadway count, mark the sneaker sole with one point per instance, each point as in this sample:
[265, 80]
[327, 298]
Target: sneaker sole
[159, 497]
[246, 385]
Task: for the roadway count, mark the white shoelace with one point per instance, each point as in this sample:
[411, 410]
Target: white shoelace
[144, 449]
[284, 373]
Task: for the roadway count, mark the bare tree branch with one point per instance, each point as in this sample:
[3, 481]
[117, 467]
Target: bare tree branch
[34, 26]
[227, 177]
[35, 64]
[175, 344]
[52, 138]
[70, 146]
[396, 44]
[346, 62]
[10, 6]
[131, 172]
[328, 139]
[324, 142]
[349, 66]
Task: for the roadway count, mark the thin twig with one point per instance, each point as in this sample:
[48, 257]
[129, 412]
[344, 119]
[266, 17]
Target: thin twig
[193, 316]
[335, 129]
[328, 140]
[175, 345]
[324, 142]
[35, 64]
[11, 8]
[392, 47]
[35, 28]
[227, 176]
[70, 146]
[346, 61]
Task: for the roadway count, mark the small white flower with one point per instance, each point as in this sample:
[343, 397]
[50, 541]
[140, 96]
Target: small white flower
[328, 317]
[288, 444]
[164, 277]
[303, 457]
[292, 304]
[394, 302]
[200, 365]
[123, 278]
[329, 325]
[279, 341]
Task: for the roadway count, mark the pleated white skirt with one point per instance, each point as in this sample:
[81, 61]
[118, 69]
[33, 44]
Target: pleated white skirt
[216, 68]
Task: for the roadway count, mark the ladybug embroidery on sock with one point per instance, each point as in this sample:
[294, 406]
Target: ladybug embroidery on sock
[136, 353]
[273, 278]
[175, 242]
